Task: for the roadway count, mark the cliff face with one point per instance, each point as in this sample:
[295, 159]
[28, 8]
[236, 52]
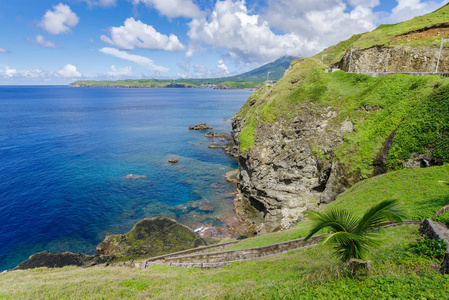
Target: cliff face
[395, 59]
[281, 175]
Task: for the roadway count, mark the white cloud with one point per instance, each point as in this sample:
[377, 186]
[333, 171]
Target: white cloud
[222, 69]
[116, 72]
[60, 20]
[135, 34]
[3, 50]
[320, 24]
[140, 60]
[69, 71]
[407, 9]
[245, 36]
[10, 72]
[44, 43]
[174, 8]
[102, 3]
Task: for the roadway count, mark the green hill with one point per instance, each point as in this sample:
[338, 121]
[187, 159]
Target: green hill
[250, 79]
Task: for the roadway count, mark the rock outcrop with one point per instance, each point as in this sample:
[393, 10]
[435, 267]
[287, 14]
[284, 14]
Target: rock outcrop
[51, 260]
[202, 126]
[281, 175]
[395, 59]
[151, 237]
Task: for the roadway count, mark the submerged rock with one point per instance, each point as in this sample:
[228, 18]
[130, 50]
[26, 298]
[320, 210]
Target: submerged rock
[135, 176]
[214, 146]
[202, 126]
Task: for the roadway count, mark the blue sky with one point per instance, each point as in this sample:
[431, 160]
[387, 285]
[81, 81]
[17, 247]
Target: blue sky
[57, 42]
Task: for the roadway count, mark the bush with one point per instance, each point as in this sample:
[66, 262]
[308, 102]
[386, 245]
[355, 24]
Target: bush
[430, 248]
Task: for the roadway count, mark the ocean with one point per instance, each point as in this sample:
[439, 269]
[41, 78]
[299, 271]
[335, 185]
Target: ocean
[65, 154]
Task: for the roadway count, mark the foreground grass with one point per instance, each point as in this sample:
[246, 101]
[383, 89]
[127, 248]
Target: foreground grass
[307, 273]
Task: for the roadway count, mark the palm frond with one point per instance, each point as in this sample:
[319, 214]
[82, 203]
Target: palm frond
[335, 219]
[385, 210]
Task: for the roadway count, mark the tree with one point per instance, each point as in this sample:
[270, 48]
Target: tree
[350, 236]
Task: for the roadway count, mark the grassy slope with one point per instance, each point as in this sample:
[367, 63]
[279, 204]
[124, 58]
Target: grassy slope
[384, 35]
[308, 273]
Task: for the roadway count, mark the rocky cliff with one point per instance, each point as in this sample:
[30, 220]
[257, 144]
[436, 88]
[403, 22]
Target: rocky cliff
[395, 59]
[314, 134]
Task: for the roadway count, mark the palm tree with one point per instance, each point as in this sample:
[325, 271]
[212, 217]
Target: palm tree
[352, 237]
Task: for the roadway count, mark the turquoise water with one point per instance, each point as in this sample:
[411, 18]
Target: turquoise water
[65, 153]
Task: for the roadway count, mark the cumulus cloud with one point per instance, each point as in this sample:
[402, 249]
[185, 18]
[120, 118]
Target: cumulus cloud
[117, 72]
[140, 60]
[321, 23]
[62, 75]
[44, 43]
[59, 20]
[102, 3]
[69, 71]
[173, 8]
[135, 34]
[245, 36]
[407, 9]
[4, 51]
[222, 69]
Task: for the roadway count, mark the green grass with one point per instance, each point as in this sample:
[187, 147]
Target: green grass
[312, 273]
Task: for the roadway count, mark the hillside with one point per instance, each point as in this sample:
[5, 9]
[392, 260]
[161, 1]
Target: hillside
[397, 271]
[410, 46]
[315, 134]
[251, 79]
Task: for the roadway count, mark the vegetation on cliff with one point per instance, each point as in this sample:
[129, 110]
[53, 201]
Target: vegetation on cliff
[412, 110]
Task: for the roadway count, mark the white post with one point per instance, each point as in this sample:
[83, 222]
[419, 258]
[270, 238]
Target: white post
[350, 60]
[439, 54]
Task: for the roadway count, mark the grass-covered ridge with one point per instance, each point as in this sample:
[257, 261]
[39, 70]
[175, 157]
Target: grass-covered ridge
[416, 107]
[393, 34]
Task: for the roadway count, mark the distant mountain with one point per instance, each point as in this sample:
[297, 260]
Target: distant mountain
[251, 79]
[276, 69]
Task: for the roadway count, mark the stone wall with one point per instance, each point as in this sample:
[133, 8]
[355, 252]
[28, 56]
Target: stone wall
[220, 259]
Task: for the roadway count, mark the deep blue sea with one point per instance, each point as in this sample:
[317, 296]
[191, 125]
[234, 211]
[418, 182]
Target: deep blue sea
[65, 153]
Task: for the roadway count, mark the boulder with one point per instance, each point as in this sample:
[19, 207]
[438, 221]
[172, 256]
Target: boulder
[172, 160]
[202, 126]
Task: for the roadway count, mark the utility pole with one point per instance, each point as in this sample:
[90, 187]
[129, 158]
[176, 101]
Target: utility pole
[268, 73]
[350, 59]
[439, 54]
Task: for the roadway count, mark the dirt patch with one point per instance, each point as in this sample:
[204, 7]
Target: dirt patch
[411, 36]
